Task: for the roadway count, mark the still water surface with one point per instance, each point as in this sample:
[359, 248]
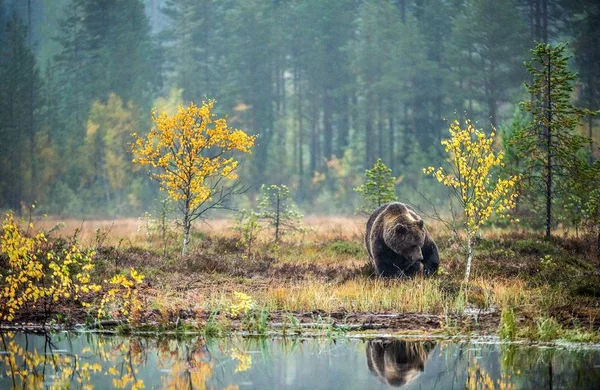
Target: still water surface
[78, 360]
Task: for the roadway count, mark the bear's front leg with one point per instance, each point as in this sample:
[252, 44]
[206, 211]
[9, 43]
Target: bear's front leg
[413, 270]
[387, 262]
[431, 256]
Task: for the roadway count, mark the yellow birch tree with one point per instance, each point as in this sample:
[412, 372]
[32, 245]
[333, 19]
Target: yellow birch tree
[473, 182]
[191, 152]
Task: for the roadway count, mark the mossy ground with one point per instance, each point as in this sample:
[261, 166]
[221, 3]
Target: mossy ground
[323, 279]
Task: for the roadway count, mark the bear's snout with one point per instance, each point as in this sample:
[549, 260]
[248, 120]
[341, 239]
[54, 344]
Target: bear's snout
[417, 255]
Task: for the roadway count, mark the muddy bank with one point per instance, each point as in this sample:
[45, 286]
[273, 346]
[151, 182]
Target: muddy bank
[473, 322]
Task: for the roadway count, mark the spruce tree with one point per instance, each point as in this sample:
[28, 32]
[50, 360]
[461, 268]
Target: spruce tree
[276, 208]
[20, 103]
[550, 143]
[378, 189]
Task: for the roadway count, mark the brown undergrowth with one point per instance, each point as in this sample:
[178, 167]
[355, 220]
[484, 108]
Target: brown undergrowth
[323, 280]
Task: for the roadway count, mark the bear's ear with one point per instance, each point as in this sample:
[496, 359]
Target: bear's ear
[400, 229]
[421, 224]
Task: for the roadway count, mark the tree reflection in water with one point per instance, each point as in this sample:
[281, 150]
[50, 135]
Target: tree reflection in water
[29, 367]
[34, 361]
[397, 362]
[84, 360]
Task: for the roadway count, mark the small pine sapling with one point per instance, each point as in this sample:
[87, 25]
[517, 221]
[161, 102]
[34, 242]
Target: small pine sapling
[378, 188]
[248, 225]
[278, 211]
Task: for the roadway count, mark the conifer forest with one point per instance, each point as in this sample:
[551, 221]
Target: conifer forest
[326, 87]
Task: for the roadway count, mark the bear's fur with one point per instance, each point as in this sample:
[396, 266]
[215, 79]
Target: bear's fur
[397, 362]
[398, 242]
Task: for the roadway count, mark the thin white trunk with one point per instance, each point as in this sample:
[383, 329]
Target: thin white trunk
[186, 240]
[470, 253]
[186, 234]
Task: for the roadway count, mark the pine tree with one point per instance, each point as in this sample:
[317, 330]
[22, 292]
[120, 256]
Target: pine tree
[20, 103]
[550, 143]
[379, 187]
[489, 38]
[277, 209]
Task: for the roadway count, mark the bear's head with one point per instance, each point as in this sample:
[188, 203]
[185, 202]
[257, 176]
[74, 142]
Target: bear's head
[404, 232]
[397, 362]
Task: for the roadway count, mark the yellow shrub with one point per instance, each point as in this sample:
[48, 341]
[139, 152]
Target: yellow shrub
[122, 295]
[38, 271]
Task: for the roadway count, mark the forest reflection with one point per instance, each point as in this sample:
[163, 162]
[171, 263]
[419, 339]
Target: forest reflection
[101, 361]
[36, 361]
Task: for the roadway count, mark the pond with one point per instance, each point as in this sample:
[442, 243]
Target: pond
[86, 360]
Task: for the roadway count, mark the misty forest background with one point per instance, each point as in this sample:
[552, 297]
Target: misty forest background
[329, 87]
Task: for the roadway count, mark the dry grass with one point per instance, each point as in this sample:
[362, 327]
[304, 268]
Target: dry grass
[88, 231]
[432, 296]
[133, 232]
[325, 270]
[359, 295]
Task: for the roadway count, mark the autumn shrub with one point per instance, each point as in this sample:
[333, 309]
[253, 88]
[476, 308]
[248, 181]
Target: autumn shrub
[38, 273]
[121, 299]
[240, 305]
[471, 173]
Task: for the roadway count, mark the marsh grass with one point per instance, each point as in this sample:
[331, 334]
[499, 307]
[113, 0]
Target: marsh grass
[508, 324]
[361, 294]
[327, 270]
[331, 274]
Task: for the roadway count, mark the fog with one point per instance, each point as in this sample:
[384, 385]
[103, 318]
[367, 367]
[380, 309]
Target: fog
[328, 86]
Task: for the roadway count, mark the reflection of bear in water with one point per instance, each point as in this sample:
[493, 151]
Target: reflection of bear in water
[397, 362]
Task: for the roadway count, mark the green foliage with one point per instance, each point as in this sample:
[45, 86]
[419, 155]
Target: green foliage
[278, 211]
[531, 246]
[342, 247]
[508, 324]
[548, 329]
[549, 146]
[378, 188]
[508, 133]
[328, 86]
[256, 321]
[248, 225]
[591, 215]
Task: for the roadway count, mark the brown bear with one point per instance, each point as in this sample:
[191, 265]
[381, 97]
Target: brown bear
[398, 242]
[397, 362]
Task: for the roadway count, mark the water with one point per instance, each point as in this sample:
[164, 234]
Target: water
[80, 360]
